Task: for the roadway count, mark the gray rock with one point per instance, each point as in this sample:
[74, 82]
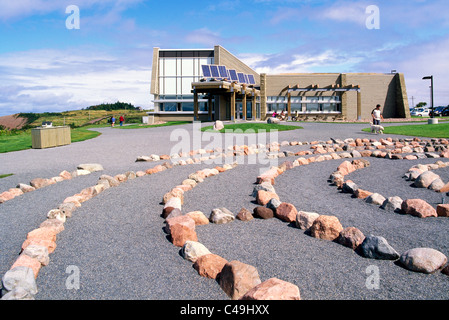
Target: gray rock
[266, 186]
[192, 250]
[437, 184]
[19, 277]
[376, 199]
[392, 204]
[273, 204]
[112, 181]
[375, 247]
[221, 216]
[425, 260]
[92, 167]
[18, 293]
[273, 120]
[39, 253]
[304, 220]
[356, 154]
[425, 179]
[68, 208]
[143, 159]
[349, 187]
[218, 125]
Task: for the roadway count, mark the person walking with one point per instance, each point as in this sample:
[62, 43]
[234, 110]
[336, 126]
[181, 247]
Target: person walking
[377, 115]
[112, 121]
[121, 119]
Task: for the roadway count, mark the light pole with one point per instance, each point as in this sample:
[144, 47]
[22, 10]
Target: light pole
[431, 92]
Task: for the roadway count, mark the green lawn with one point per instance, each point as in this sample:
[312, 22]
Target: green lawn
[6, 175]
[252, 128]
[22, 140]
[440, 130]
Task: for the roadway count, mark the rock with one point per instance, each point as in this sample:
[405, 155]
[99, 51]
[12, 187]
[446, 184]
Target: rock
[174, 202]
[418, 208]
[19, 277]
[346, 168]
[445, 188]
[425, 179]
[174, 193]
[376, 199]
[25, 187]
[445, 270]
[245, 215]
[209, 265]
[362, 194]
[221, 216]
[6, 196]
[112, 181]
[286, 212]
[18, 293]
[40, 183]
[349, 187]
[304, 220]
[42, 234]
[443, 210]
[50, 245]
[40, 253]
[180, 234]
[273, 204]
[67, 209]
[425, 260]
[263, 212]
[175, 212]
[143, 159]
[263, 197]
[56, 225]
[351, 237]
[56, 214]
[273, 289]
[198, 217]
[266, 186]
[392, 204]
[374, 247]
[273, 120]
[179, 220]
[326, 227]
[27, 261]
[80, 172]
[92, 167]
[193, 250]
[436, 185]
[218, 125]
[238, 278]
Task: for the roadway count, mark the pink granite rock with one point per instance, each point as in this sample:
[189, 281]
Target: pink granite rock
[237, 278]
[209, 265]
[326, 227]
[418, 208]
[273, 289]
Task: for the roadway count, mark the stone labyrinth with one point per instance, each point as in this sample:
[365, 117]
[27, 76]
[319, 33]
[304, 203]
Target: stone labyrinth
[238, 279]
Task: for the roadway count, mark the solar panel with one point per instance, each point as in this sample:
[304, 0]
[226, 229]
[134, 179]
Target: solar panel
[246, 79]
[233, 75]
[206, 71]
[223, 71]
[241, 77]
[214, 71]
[251, 79]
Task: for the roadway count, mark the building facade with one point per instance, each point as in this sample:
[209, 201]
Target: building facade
[182, 90]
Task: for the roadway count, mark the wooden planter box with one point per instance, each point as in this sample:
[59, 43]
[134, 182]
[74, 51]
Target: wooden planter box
[50, 137]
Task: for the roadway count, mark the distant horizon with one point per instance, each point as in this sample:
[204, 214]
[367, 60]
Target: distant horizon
[60, 55]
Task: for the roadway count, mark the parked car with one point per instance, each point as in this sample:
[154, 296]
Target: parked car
[420, 112]
[436, 111]
[445, 112]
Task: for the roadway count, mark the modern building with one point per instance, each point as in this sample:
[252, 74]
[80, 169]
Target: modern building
[213, 84]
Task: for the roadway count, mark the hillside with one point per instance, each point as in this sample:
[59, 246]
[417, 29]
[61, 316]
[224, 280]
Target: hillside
[75, 118]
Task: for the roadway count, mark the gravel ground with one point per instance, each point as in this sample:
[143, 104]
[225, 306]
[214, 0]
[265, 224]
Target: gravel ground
[117, 242]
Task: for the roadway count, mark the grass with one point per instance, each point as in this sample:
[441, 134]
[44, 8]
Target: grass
[6, 175]
[252, 128]
[440, 130]
[22, 140]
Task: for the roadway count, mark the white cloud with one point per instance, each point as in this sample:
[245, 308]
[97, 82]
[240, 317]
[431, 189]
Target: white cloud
[54, 80]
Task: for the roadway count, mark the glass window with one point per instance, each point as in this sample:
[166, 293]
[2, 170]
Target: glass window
[169, 67]
[187, 67]
[170, 106]
[187, 85]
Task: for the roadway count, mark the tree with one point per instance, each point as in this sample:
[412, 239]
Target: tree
[421, 105]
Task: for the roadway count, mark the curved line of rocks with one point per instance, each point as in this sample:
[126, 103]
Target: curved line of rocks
[38, 183]
[19, 282]
[415, 207]
[425, 260]
[238, 280]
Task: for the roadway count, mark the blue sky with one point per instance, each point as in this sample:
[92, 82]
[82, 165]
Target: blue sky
[46, 67]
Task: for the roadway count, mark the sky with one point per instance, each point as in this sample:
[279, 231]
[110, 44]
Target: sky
[51, 61]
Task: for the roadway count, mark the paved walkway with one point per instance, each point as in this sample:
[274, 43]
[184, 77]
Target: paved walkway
[117, 243]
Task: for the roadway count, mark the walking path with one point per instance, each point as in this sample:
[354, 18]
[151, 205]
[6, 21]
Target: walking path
[117, 243]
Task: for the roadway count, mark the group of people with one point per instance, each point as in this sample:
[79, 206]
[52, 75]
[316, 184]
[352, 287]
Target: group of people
[121, 120]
